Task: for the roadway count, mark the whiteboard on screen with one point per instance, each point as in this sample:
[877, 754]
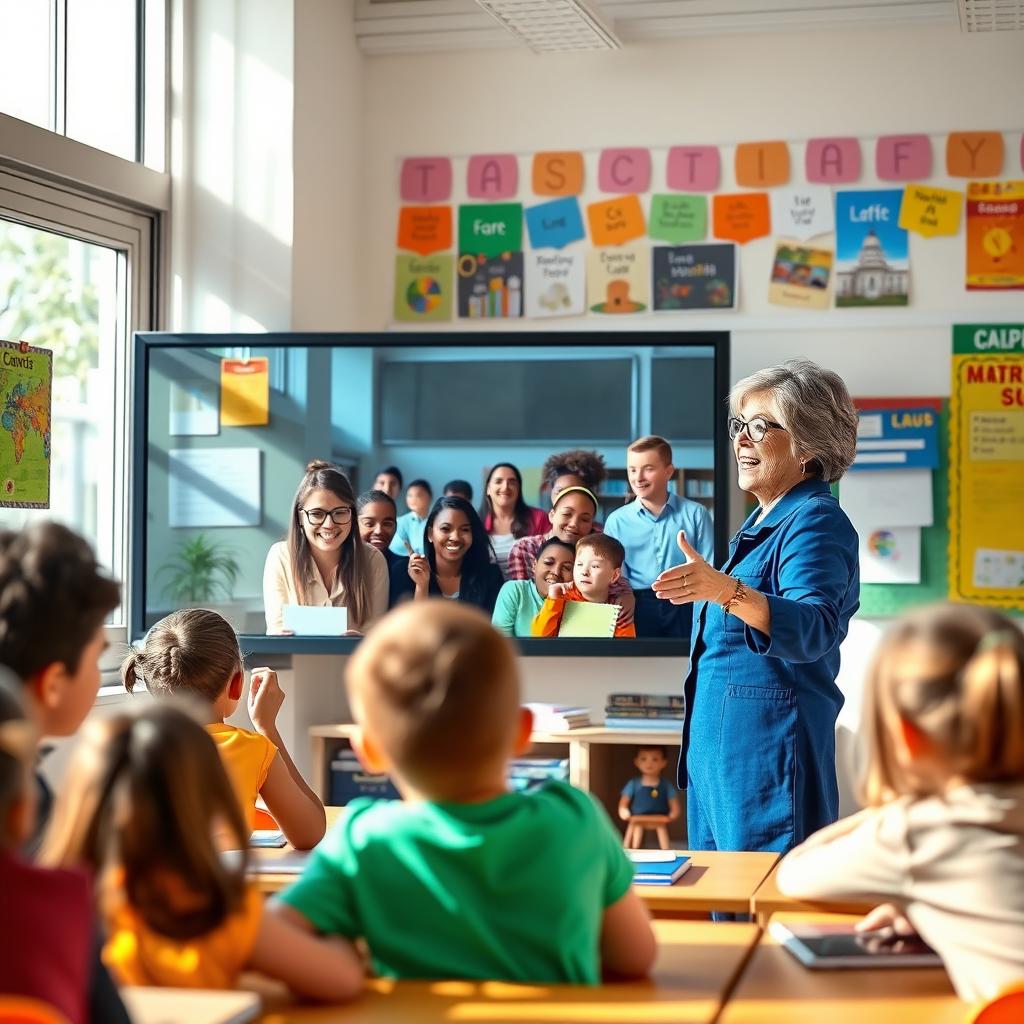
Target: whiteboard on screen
[214, 487]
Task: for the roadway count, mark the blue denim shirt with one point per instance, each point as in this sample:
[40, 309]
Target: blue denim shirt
[758, 749]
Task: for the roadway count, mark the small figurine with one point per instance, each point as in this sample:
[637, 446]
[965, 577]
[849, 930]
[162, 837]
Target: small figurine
[648, 801]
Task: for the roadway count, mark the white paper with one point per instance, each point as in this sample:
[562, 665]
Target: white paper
[194, 406]
[213, 487]
[304, 620]
[651, 856]
[875, 498]
[556, 283]
[1003, 570]
[891, 555]
[869, 425]
[802, 212]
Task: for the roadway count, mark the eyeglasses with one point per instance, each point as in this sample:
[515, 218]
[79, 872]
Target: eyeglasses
[756, 427]
[318, 516]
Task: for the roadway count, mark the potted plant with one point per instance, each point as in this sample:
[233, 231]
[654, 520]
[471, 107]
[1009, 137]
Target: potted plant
[201, 571]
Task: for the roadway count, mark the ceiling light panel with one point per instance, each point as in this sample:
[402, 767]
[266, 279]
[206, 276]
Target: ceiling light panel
[553, 26]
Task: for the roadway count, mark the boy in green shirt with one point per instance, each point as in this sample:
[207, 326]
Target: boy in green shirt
[463, 878]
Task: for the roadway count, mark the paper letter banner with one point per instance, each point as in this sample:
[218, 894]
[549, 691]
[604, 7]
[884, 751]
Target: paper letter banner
[762, 164]
[616, 221]
[678, 218]
[693, 168]
[618, 280]
[742, 217]
[425, 229]
[800, 277]
[986, 465]
[554, 225]
[491, 229]
[995, 235]
[492, 177]
[974, 154]
[423, 288]
[802, 212]
[491, 289]
[558, 174]
[556, 284]
[26, 386]
[931, 211]
[695, 277]
[244, 392]
[832, 161]
[426, 179]
[624, 170]
[872, 261]
[903, 158]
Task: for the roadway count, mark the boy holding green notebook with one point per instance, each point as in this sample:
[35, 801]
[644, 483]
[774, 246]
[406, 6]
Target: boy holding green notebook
[582, 608]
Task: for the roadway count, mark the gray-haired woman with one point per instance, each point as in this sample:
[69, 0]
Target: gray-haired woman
[758, 748]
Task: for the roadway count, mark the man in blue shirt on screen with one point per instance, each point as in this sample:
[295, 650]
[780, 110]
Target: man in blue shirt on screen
[648, 527]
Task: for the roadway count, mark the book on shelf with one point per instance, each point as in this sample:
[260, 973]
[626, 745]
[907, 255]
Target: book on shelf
[644, 724]
[558, 717]
[529, 772]
[657, 867]
[647, 700]
[643, 714]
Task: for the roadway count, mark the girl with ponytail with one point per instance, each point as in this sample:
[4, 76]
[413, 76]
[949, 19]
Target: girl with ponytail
[941, 841]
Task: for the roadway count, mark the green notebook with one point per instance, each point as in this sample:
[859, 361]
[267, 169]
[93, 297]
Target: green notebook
[581, 618]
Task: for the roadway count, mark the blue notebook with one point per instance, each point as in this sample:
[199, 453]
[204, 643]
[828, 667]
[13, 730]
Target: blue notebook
[657, 867]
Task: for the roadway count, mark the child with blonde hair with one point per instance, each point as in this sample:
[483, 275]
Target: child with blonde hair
[465, 878]
[942, 837]
[145, 795]
[195, 653]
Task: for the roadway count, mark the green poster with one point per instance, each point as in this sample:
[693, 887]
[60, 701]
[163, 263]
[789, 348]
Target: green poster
[678, 218]
[423, 287]
[491, 229]
[26, 380]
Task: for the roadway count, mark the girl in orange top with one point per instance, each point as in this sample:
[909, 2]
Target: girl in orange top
[144, 797]
[195, 653]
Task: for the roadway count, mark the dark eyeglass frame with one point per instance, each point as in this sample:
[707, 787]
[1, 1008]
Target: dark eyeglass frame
[322, 514]
[738, 426]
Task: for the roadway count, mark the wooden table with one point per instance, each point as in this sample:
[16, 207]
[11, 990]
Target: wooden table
[769, 900]
[697, 964]
[774, 987]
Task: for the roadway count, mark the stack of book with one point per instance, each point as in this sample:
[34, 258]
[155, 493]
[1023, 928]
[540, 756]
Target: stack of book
[657, 867]
[645, 711]
[349, 779]
[558, 717]
[529, 772]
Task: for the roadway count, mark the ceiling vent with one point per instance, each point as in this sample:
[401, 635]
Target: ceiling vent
[990, 15]
[553, 26]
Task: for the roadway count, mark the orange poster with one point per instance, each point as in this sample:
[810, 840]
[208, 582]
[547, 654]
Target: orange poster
[245, 392]
[425, 229]
[616, 221]
[995, 235]
[742, 217]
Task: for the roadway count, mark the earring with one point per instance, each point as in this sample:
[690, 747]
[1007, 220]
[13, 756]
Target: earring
[803, 467]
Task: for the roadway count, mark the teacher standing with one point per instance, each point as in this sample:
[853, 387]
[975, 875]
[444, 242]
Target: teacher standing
[758, 747]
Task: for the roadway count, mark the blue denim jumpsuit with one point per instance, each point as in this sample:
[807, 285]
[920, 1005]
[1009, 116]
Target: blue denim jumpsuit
[758, 747]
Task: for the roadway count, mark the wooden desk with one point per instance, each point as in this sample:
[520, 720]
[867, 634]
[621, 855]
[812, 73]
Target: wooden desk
[769, 900]
[775, 987]
[697, 963]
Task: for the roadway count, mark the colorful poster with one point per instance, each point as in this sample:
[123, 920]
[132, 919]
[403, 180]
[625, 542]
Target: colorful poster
[619, 280]
[244, 392]
[26, 385]
[931, 211]
[872, 258]
[897, 434]
[556, 224]
[678, 218]
[986, 465]
[423, 288]
[491, 289]
[695, 277]
[556, 284]
[891, 555]
[425, 229]
[616, 221]
[802, 212]
[741, 217]
[490, 229]
[800, 276]
[995, 235]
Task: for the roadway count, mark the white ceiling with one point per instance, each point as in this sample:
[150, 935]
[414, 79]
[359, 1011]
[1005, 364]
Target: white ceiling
[417, 26]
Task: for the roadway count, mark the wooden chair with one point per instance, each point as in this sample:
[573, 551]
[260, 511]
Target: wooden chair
[1005, 1008]
[22, 1010]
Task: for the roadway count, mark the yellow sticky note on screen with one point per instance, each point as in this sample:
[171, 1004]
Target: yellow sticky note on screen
[931, 211]
[245, 392]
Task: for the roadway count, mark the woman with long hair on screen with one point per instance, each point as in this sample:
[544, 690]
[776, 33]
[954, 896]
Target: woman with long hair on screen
[458, 562]
[323, 561]
[505, 514]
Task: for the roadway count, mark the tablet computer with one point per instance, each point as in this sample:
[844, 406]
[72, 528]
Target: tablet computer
[838, 945]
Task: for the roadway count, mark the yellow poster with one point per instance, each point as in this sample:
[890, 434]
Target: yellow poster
[245, 392]
[931, 211]
[986, 466]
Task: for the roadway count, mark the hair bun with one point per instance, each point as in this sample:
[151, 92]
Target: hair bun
[317, 464]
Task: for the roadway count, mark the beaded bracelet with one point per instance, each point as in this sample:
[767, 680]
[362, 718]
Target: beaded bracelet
[737, 596]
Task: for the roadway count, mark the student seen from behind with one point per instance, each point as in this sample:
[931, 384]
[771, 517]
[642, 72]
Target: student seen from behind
[408, 539]
[648, 529]
[459, 489]
[145, 796]
[941, 841]
[464, 878]
[194, 653]
[597, 566]
[519, 601]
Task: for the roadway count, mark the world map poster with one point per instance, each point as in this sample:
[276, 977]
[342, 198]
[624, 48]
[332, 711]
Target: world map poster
[26, 380]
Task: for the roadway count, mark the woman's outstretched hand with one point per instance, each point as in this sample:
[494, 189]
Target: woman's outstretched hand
[694, 580]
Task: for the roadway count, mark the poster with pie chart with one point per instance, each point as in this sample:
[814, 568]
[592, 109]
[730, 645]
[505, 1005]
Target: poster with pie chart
[423, 288]
[890, 554]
